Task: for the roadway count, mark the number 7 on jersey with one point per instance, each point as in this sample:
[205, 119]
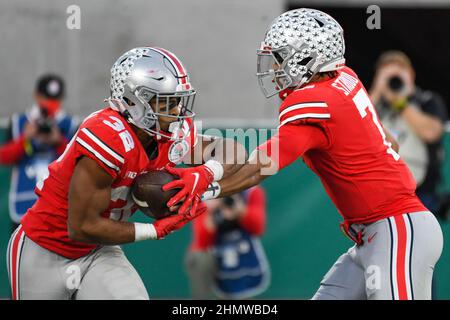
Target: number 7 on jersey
[362, 102]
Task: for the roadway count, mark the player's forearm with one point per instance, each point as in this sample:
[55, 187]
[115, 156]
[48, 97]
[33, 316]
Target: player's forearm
[102, 231]
[89, 196]
[247, 176]
[228, 152]
[235, 161]
[85, 221]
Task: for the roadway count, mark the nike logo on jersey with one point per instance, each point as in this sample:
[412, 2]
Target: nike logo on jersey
[371, 237]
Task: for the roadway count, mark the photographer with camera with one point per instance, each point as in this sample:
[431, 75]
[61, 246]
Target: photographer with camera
[226, 258]
[416, 119]
[36, 138]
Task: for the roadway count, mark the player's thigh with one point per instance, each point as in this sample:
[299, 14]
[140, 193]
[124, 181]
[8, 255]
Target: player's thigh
[344, 281]
[375, 256]
[400, 258]
[34, 272]
[425, 252]
[110, 276]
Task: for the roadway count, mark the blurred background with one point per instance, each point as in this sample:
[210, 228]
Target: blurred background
[217, 42]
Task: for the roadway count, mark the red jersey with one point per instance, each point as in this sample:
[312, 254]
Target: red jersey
[107, 138]
[333, 125]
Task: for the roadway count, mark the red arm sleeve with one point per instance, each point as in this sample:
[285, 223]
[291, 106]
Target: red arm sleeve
[11, 152]
[292, 141]
[202, 238]
[254, 220]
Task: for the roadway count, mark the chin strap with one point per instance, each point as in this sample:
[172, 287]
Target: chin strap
[118, 105]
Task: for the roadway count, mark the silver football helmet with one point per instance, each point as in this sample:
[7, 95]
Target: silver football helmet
[297, 45]
[146, 84]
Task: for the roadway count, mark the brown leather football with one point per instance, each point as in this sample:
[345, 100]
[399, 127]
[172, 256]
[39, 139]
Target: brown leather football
[148, 195]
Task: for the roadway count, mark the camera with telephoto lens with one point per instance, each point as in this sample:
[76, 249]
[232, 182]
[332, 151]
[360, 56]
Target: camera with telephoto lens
[396, 83]
[44, 122]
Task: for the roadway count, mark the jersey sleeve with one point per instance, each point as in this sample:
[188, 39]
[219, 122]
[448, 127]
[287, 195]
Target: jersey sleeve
[306, 105]
[292, 141]
[302, 126]
[102, 144]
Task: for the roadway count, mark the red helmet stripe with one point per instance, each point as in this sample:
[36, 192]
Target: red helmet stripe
[182, 76]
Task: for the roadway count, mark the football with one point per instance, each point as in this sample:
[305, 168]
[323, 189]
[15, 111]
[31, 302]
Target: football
[148, 195]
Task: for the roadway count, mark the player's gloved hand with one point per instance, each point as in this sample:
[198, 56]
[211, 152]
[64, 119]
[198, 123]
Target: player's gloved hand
[167, 225]
[193, 183]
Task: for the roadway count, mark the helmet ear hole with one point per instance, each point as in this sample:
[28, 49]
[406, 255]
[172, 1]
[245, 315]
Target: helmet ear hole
[128, 101]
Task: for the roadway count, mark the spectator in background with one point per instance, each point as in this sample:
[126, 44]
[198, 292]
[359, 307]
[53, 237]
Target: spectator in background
[36, 138]
[416, 118]
[226, 258]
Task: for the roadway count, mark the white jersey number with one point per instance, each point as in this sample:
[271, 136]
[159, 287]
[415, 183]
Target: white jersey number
[118, 126]
[362, 102]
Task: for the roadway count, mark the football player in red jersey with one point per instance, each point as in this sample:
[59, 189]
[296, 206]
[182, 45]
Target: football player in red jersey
[66, 246]
[327, 118]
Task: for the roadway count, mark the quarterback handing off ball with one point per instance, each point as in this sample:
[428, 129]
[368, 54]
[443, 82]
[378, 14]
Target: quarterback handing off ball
[148, 195]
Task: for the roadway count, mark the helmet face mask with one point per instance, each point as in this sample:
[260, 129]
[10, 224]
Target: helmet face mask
[146, 85]
[273, 69]
[158, 107]
[299, 44]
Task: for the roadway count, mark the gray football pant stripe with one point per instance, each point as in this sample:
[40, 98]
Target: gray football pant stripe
[397, 262]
